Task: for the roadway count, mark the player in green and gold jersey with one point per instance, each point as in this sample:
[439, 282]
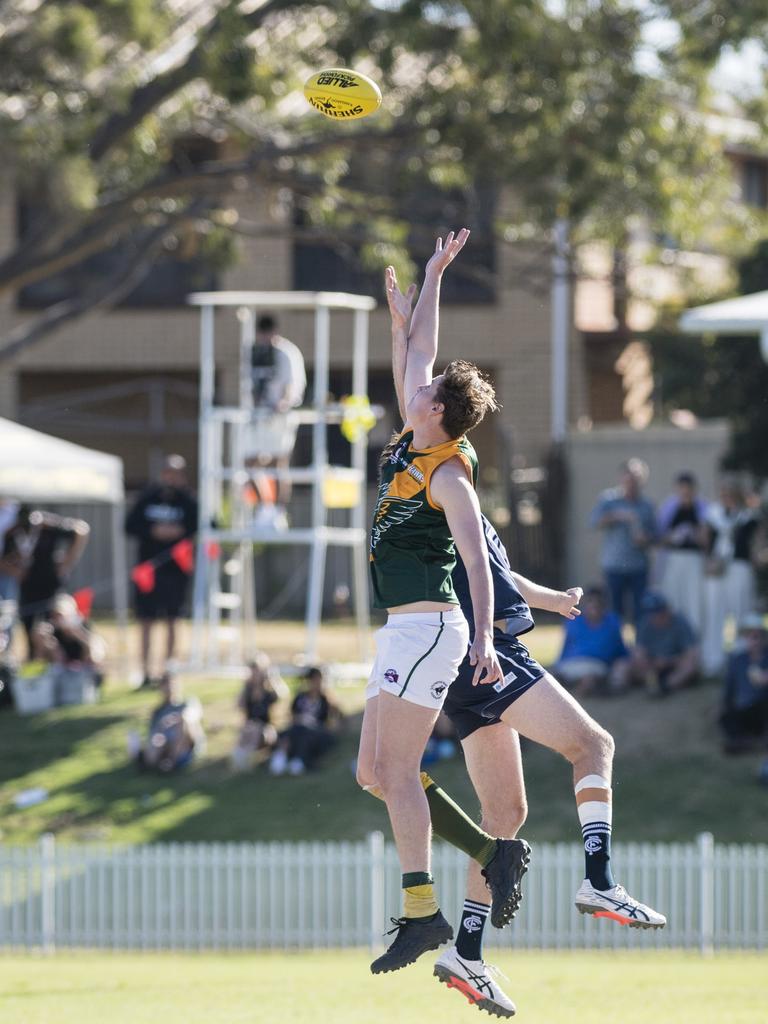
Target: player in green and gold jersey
[426, 509]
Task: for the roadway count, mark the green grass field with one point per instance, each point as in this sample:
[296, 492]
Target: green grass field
[79, 755]
[337, 988]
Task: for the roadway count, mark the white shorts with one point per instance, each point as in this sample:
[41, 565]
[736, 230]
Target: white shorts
[270, 435]
[418, 656]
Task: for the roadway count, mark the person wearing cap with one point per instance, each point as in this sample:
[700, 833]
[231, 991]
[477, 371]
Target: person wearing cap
[683, 537]
[627, 521]
[165, 513]
[666, 657]
[744, 715]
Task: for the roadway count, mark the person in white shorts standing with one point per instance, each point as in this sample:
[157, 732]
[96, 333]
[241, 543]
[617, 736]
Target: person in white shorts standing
[426, 508]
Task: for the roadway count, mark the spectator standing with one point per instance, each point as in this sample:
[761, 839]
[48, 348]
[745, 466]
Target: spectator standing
[9, 584]
[733, 530]
[682, 534]
[315, 719]
[165, 513]
[744, 717]
[666, 656]
[594, 654]
[45, 547]
[278, 383]
[9, 575]
[261, 692]
[628, 523]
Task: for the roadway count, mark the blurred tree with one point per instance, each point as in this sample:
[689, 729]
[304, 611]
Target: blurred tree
[721, 376]
[103, 105]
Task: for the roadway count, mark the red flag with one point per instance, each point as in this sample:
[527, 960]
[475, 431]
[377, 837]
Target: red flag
[213, 549]
[143, 575]
[84, 600]
[183, 554]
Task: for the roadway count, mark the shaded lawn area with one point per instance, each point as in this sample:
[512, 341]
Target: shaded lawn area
[671, 781]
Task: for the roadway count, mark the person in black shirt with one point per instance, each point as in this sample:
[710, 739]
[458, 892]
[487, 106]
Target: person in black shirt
[315, 719]
[164, 514]
[261, 691]
[682, 530]
[45, 547]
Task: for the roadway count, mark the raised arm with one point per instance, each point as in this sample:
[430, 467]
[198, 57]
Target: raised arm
[564, 602]
[452, 490]
[422, 337]
[400, 312]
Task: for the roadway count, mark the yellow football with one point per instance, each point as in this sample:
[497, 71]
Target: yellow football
[341, 94]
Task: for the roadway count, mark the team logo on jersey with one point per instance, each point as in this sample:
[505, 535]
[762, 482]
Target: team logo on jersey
[392, 512]
[592, 844]
[472, 924]
[438, 689]
[391, 675]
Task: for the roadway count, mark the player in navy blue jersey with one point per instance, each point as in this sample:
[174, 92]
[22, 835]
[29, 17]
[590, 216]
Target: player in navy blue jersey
[528, 701]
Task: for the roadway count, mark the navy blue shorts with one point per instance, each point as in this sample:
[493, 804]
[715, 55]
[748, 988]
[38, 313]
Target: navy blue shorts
[472, 707]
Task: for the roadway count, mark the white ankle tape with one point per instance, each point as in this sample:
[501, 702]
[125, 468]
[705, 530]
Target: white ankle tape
[592, 782]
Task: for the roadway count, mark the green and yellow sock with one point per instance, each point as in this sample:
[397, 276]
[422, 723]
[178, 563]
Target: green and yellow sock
[419, 898]
[457, 828]
[451, 823]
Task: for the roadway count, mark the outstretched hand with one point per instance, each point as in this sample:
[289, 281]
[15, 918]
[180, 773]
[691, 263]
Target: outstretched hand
[567, 603]
[445, 254]
[399, 304]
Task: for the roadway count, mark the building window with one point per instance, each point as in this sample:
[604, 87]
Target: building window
[754, 183]
[174, 272]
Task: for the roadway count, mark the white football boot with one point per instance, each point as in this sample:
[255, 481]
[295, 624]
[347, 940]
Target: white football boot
[618, 905]
[474, 979]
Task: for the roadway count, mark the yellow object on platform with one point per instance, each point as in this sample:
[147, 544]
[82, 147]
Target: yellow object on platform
[341, 487]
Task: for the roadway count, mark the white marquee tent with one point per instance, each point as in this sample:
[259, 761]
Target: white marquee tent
[36, 468]
[747, 314]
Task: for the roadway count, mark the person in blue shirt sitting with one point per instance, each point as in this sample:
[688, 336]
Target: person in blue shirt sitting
[594, 656]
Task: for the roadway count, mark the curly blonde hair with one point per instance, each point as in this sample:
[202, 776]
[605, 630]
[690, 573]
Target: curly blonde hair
[466, 395]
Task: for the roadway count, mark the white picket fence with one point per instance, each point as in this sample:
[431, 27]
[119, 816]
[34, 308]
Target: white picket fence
[314, 895]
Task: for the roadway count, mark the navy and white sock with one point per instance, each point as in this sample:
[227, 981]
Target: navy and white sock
[469, 941]
[593, 798]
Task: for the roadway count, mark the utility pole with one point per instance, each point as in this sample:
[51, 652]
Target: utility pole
[560, 330]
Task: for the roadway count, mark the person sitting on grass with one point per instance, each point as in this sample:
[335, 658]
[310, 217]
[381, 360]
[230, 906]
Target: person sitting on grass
[315, 721]
[66, 640]
[262, 689]
[594, 655]
[744, 717]
[176, 734]
[666, 657]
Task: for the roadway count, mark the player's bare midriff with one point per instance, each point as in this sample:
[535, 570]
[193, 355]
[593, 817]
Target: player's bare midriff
[422, 606]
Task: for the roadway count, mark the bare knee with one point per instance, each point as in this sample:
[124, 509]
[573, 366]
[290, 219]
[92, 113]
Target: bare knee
[592, 743]
[505, 821]
[391, 775]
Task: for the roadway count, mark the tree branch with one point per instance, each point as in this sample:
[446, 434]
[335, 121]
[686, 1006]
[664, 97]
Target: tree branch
[105, 292]
[147, 97]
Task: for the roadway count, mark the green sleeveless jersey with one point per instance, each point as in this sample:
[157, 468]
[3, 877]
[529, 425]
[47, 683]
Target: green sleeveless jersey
[412, 550]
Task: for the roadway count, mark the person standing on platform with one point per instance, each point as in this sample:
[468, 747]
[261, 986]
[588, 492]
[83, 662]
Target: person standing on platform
[278, 383]
[165, 513]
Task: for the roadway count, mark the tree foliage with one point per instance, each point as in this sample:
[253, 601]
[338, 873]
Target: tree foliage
[720, 377]
[514, 95]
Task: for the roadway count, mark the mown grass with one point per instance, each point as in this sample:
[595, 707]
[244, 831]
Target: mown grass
[337, 988]
[671, 781]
